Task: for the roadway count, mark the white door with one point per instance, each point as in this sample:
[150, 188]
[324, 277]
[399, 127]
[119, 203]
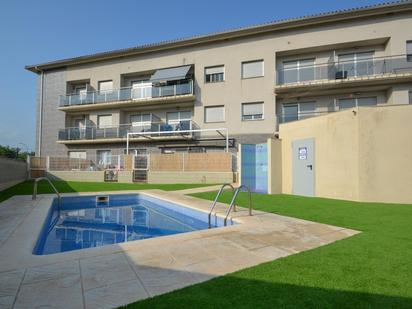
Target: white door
[303, 167]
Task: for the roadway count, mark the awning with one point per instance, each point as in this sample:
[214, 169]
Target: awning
[164, 75]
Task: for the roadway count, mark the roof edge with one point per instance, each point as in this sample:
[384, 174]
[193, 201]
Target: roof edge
[347, 14]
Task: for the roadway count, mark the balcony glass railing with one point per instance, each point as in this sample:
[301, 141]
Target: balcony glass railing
[127, 94]
[347, 69]
[95, 133]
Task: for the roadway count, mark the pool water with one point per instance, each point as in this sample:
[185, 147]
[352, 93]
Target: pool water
[84, 222]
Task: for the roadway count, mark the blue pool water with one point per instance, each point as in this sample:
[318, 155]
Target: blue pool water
[81, 222]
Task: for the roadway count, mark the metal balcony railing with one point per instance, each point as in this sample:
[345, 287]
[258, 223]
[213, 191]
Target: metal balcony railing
[120, 131]
[365, 67]
[127, 94]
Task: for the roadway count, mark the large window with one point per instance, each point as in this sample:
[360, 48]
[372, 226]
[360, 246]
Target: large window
[297, 71]
[141, 89]
[355, 102]
[104, 157]
[297, 111]
[252, 69]
[252, 111]
[104, 121]
[140, 119]
[356, 64]
[180, 120]
[409, 50]
[215, 113]
[215, 74]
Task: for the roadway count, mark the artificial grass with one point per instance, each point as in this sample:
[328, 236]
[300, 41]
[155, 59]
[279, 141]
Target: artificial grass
[26, 187]
[370, 270]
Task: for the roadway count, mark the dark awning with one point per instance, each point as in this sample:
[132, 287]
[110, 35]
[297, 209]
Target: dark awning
[164, 75]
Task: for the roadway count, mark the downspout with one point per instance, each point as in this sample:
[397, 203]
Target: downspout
[39, 141]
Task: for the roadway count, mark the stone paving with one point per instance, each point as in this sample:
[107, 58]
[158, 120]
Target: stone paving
[115, 275]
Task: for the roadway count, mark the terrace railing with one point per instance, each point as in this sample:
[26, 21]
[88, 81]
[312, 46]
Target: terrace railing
[120, 131]
[127, 94]
[342, 70]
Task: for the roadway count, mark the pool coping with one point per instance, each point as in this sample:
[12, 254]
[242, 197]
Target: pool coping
[259, 238]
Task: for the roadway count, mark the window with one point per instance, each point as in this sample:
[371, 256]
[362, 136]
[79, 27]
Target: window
[77, 154]
[409, 51]
[104, 157]
[176, 117]
[297, 111]
[252, 69]
[106, 86]
[180, 120]
[215, 74]
[104, 121]
[214, 113]
[140, 119]
[141, 89]
[79, 123]
[355, 102]
[252, 111]
[297, 71]
[356, 64]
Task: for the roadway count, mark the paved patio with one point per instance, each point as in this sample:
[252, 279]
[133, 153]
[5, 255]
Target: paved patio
[114, 275]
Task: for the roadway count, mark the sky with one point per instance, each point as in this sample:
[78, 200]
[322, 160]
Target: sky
[37, 31]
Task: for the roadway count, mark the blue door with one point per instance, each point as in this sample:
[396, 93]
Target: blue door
[254, 167]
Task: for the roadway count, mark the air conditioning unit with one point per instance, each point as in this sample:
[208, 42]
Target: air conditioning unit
[341, 75]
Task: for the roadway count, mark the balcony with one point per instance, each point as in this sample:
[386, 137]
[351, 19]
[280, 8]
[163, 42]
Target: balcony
[128, 96]
[144, 132]
[363, 71]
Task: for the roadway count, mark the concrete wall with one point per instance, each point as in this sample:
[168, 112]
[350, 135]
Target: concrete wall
[361, 154]
[83, 176]
[190, 177]
[12, 172]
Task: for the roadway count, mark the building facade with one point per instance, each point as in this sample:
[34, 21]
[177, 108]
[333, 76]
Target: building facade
[187, 94]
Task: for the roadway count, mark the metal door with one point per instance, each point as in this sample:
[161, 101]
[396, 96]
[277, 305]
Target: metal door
[303, 169]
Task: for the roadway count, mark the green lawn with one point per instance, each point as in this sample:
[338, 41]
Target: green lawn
[370, 270]
[73, 186]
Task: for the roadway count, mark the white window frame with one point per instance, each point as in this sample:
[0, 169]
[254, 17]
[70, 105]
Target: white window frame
[141, 89]
[98, 152]
[252, 61]
[214, 106]
[298, 68]
[254, 118]
[215, 81]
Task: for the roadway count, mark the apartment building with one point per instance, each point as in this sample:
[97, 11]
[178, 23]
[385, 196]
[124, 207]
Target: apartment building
[187, 94]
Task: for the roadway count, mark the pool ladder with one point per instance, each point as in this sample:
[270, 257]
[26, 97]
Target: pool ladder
[34, 196]
[232, 203]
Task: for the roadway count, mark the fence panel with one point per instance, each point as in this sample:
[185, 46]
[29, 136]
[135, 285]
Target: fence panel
[166, 162]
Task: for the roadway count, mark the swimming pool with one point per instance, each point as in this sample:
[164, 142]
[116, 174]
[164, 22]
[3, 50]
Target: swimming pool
[82, 222]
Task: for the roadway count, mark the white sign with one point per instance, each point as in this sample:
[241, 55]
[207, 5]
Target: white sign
[303, 153]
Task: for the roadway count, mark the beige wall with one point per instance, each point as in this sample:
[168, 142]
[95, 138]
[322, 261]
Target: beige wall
[12, 172]
[274, 166]
[344, 36]
[361, 154]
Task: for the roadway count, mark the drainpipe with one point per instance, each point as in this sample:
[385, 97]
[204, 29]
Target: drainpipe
[39, 141]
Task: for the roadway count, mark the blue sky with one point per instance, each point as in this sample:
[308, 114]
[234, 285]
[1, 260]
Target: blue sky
[43, 30]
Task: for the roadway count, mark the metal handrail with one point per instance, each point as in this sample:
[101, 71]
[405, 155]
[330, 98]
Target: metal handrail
[34, 196]
[215, 201]
[234, 199]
